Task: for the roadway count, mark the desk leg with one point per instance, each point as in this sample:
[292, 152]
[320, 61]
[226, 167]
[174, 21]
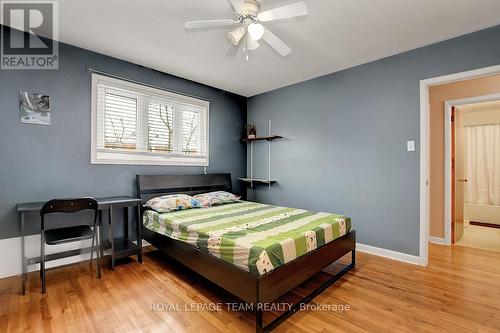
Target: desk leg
[101, 235]
[125, 222]
[139, 236]
[111, 240]
[24, 262]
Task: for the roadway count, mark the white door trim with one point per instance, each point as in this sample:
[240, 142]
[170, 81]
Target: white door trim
[424, 173]
[447, 155]
[424, 146]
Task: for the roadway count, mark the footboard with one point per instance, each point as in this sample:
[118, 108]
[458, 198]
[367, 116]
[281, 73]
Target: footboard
[285, 278]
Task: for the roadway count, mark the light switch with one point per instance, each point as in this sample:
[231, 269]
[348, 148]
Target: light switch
[410, 145]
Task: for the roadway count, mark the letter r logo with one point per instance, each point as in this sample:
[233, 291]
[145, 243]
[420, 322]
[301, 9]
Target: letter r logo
[29, 34]
[35, 18]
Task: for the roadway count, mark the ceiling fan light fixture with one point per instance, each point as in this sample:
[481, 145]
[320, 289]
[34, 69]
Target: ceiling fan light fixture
[256, 31]
[252, 44]
[236, 35]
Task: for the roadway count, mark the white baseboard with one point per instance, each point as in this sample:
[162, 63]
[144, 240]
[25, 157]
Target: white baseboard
[389, 254]
[10, 254]
[437, 240]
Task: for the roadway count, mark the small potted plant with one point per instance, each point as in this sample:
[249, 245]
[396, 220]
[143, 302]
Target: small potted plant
[251, 131]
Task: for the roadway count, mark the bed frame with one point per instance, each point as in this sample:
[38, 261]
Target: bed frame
[253, 289]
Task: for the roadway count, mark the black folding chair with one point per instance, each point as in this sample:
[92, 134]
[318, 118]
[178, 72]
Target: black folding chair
[69, 234]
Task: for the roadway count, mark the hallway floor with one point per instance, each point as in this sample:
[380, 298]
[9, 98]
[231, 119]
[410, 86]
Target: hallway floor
[480, 237]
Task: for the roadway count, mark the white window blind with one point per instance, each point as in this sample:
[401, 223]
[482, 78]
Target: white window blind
[120, 121]
[135, 124]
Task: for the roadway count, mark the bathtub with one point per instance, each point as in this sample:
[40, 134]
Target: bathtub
[482, 213]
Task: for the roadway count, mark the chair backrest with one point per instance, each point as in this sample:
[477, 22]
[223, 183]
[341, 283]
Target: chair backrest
[69, 205]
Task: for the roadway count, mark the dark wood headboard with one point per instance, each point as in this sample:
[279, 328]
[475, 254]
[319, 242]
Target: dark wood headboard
[152, 186]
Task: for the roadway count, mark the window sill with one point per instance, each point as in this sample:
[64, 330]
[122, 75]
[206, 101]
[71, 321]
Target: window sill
[128, 158]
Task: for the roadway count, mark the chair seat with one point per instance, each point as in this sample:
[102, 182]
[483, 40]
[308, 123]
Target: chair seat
[68, 234]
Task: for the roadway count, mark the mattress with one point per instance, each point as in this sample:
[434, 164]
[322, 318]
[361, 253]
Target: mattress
[253, 236]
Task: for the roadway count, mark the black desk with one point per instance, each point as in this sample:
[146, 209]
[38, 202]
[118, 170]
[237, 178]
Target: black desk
[120, 247]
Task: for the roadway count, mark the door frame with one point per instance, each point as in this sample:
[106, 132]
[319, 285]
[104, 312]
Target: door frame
[425, 149]
[447, 154]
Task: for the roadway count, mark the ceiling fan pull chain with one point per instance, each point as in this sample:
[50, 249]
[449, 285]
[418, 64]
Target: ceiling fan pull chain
[246, 46]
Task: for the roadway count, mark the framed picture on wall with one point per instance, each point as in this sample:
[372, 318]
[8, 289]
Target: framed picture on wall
[34, 108]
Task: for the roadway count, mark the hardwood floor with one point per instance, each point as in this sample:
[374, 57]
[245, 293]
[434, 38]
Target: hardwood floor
[458, 292]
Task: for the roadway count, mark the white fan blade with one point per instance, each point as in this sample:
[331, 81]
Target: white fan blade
[276, 43]
[209, 24]
[237, 4]
[293, 10]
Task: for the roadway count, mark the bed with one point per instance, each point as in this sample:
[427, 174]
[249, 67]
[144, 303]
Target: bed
[257, 252]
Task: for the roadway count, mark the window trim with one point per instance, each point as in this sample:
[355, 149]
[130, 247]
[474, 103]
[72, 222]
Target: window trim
[104, 156]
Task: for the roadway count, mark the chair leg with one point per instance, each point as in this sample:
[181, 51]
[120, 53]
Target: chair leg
[41, 249]
[92, 248]
[42, 262]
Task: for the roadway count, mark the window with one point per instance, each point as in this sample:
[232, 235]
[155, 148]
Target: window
[135, 124]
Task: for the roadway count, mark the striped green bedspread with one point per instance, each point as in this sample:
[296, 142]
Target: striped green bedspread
[253, 236]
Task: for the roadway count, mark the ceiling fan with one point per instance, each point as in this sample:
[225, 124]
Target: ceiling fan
[249, 19]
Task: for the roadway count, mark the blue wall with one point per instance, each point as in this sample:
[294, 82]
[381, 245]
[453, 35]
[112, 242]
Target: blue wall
[346, 133]
[42, 162]
[345, 146]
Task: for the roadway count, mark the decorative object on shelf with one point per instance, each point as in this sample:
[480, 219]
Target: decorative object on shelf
[251, 180]
[251, 131]
[34, 108]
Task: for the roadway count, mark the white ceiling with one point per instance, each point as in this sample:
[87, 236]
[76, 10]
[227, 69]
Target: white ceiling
[336, 35]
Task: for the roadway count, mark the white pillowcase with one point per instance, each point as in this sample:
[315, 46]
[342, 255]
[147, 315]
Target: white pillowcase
[172, 202]
[216, 198]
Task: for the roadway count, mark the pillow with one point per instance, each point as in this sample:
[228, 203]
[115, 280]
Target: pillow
[172, 202]
[216, 198]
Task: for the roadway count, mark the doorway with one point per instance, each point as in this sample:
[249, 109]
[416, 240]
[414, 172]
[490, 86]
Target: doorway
[474, 160]
[433, 213]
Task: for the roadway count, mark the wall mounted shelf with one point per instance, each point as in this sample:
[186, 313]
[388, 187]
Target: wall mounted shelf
[251, 179]
[267, 138]
[257, 180]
